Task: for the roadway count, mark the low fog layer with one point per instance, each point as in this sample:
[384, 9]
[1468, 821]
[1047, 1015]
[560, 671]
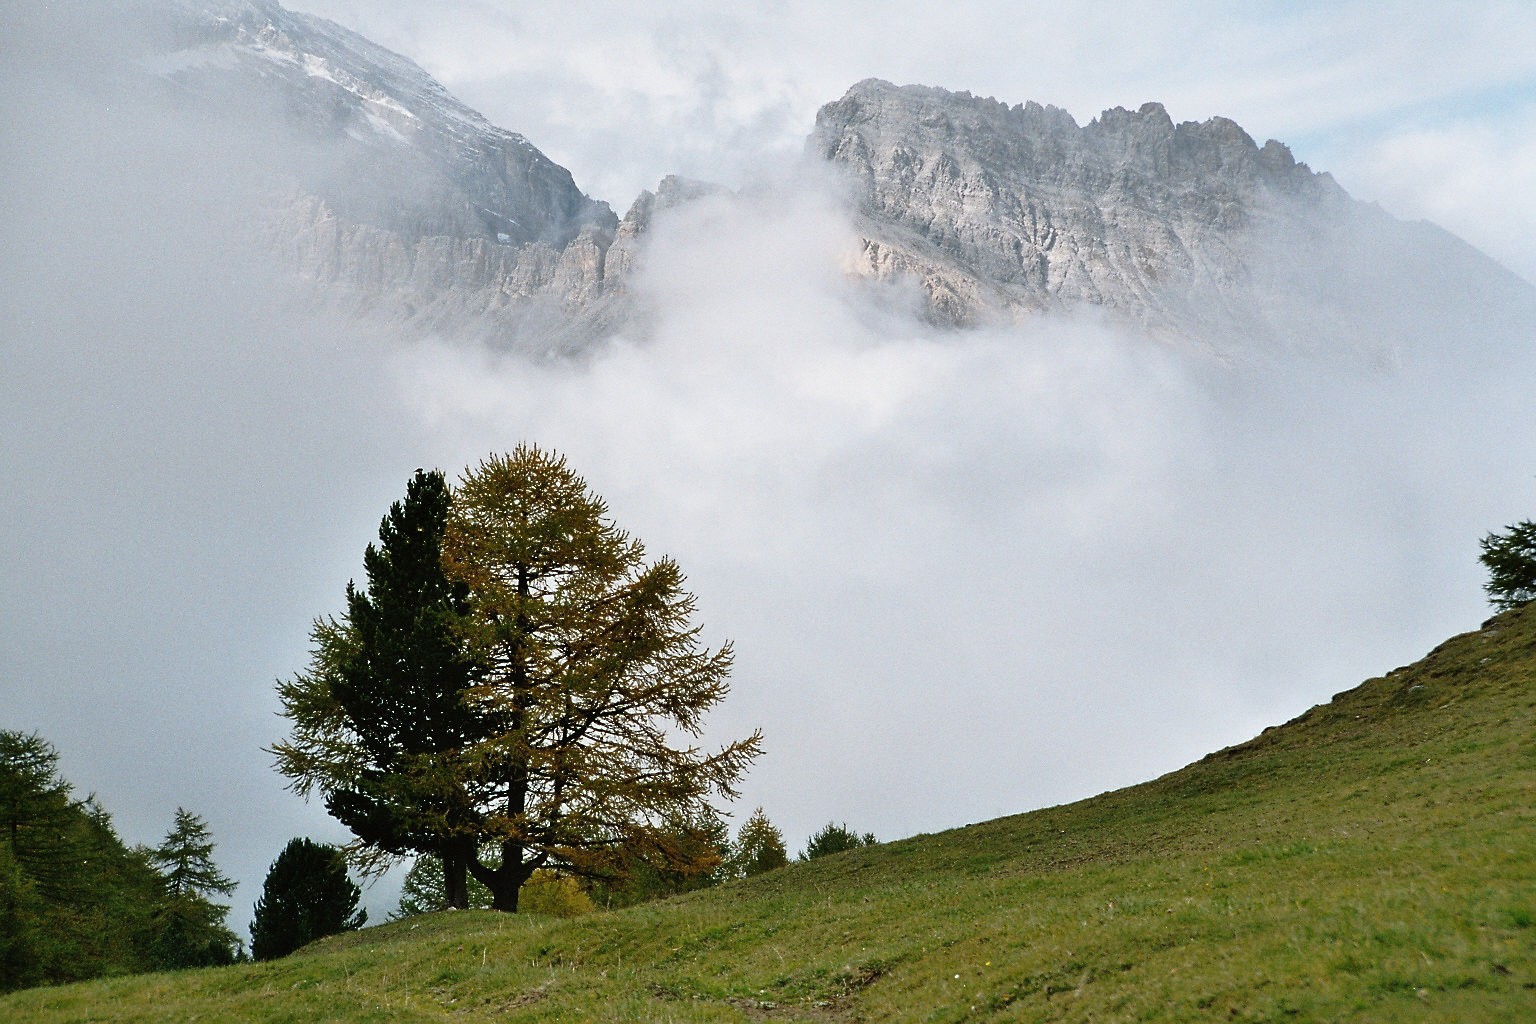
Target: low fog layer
[967, 574]
[972, 573]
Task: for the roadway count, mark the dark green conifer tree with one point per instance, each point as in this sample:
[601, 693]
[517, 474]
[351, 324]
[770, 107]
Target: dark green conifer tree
[116, 916]
[1510, 558]
[391, 677]
[75, 902]
[21, 926]
[307, 896]
[37, 816]
[188, 924]
[834, 838]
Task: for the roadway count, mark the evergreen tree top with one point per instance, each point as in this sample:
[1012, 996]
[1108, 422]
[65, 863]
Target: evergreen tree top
[185, 858]
[307, 895]
[29, 779]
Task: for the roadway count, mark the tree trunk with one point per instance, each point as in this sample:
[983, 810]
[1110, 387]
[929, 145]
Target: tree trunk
[456, 879]
[505, 882]
[505, 897]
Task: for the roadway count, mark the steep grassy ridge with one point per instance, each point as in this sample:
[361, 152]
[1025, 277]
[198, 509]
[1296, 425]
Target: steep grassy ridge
[1375, 859]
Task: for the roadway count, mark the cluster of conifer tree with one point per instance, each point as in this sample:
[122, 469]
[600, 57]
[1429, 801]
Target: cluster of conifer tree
[76, 902]
[502, 698]
[505, 691]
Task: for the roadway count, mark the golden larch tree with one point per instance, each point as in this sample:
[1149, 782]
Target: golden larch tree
[589, 670]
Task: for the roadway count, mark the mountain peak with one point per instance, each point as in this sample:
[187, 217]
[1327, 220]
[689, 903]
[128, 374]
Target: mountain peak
[423, 212]
[408, 156]
[1186, 230]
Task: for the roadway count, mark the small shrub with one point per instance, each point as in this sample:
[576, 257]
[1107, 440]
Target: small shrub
[555, 895]
[835, 838]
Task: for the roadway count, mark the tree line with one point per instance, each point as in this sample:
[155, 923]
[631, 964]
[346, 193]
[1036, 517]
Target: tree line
[757, 848]
[76, 902]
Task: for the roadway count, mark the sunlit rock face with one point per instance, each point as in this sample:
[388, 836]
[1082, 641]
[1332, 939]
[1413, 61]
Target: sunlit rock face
[1190, 232]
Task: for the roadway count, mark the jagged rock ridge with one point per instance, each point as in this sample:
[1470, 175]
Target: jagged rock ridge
[1188, 231]
[397, 202]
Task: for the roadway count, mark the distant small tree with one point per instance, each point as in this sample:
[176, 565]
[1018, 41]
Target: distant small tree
[307, 896]
[835, 838]
[189, 925]
[1510, 558]
[759, 847]
[425, 890]
[185, 859]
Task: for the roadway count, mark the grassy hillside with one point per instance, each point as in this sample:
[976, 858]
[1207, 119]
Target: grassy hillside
[1375, 859]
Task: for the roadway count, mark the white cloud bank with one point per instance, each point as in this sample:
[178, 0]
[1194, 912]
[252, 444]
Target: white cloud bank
[973, 573]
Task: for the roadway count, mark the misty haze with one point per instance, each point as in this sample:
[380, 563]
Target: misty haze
[1023, 450]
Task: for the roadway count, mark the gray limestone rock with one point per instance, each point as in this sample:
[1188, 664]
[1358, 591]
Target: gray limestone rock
[395, 202]
[386, 144]
[392, 200]
[1185, 231]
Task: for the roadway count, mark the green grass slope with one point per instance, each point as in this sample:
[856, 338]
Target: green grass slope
[1373, 860]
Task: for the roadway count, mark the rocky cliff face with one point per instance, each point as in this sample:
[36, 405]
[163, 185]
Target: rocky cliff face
[389, 146]
[390, 197]
[397, 203]
[1185, 231]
